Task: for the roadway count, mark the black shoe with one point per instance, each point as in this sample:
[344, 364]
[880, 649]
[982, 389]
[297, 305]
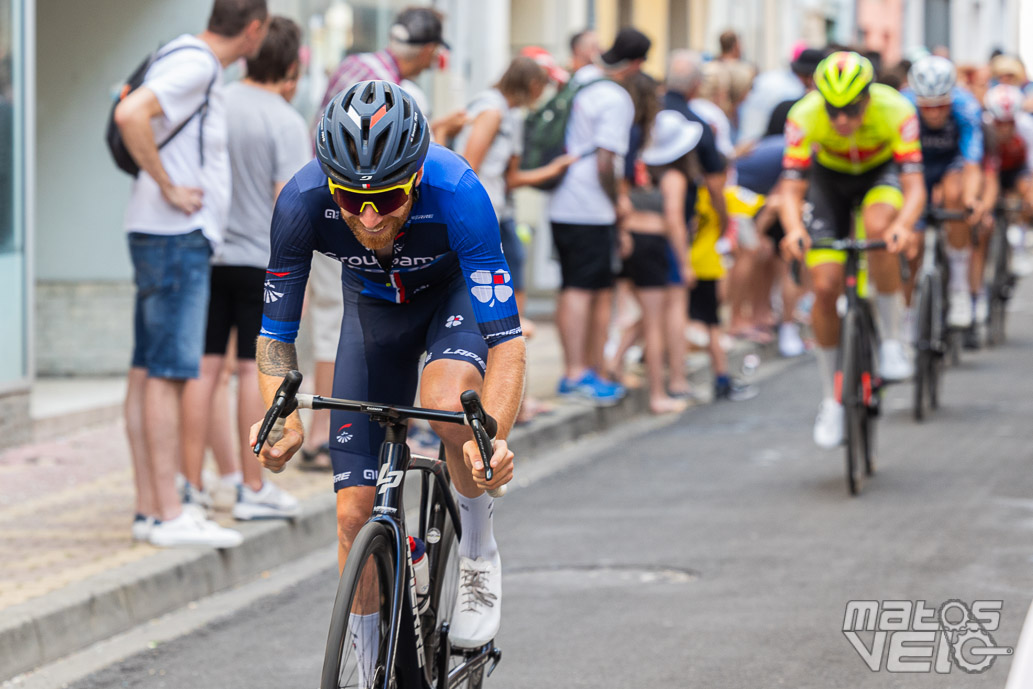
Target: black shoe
[970, 338]
[733, 390]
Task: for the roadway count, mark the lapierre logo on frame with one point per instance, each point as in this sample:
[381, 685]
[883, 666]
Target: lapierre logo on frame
[912, 636]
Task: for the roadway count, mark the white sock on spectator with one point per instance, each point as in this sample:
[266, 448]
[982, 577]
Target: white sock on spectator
[827, 369]
[890, 308]
[475, 516]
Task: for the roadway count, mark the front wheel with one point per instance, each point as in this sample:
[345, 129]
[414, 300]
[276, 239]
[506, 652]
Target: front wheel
[360, 626]
[855, 411]
[924, 347]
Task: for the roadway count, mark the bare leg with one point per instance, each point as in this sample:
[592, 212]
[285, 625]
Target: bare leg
[250, 408]
[354, 508]
[676, 318]
[602, 314]
[573, 316]
[196, 413]
[652, 301]
[162, 402]
[146, 503]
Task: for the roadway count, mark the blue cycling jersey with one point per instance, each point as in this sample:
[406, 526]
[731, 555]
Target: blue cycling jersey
[451, 228]
[961, 136]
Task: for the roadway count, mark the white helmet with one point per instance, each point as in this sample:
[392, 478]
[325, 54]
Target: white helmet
[932, 78]
[1003, 102]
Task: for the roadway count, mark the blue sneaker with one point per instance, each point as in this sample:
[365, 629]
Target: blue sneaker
[605, 387]
[590, 387]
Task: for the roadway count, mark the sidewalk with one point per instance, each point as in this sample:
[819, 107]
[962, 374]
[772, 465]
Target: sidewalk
[72, 576]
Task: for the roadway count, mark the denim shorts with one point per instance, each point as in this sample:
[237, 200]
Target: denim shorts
[171, 273]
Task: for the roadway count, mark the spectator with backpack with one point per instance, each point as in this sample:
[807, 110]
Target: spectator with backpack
[268, 143]
[177, 214]
[583, 211]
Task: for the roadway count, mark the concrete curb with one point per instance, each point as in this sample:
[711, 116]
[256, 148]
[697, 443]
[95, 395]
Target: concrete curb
[51, 627]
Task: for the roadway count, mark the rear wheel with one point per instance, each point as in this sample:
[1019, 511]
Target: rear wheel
[854, 409]
[360, 626]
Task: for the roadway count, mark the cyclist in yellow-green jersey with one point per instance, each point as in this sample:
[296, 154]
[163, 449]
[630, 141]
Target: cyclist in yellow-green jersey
[851, 144]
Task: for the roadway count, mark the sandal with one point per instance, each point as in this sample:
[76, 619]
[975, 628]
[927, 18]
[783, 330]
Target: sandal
[309, 457]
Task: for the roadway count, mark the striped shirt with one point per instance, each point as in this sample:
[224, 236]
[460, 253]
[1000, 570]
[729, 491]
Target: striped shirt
[362, 67]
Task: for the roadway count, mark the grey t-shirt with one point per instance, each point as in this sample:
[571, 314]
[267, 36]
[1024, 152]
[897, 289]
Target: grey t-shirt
[508, 142]
[268, 143]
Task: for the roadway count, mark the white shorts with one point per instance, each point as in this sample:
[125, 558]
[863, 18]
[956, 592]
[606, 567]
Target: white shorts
[325, 306]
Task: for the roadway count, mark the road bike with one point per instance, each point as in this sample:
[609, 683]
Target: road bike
[858, 385]
[933, 337]
[998, 277]
[404, 633]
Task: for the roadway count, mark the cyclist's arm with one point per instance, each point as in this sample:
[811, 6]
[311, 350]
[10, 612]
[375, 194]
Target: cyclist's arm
[912, 184]
[504, 383]
[971, 144]
[971, 184]
[291, 245]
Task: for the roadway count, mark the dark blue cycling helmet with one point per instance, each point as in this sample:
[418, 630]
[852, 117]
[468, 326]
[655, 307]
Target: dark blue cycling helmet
[372, 135]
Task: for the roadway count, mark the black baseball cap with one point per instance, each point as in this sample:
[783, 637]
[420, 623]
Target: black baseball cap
[807, 61]
[630, 44]
[418, 26]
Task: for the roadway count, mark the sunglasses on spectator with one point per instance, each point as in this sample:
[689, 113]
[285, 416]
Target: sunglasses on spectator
[384, 201]
[850, 110]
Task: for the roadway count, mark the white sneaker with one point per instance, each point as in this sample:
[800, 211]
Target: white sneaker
[893, 361]
[270, 502]
[789, 342]
[142, 527]
[828, 427]
[478, 610]
[191, 529]
[960, 313]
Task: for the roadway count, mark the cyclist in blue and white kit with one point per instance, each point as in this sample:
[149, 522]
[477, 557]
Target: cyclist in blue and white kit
[423, 272]
[952, 151]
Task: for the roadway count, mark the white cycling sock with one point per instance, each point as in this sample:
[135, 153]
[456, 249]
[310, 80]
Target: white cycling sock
[827, 370]
[890, 311]
[959, 260]
[365, 638]
[475, 516]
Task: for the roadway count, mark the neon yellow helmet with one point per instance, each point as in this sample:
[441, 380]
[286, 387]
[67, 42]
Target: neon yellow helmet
[842, 77]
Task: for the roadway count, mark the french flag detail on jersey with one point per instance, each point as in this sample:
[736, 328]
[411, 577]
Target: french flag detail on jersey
[396, 280]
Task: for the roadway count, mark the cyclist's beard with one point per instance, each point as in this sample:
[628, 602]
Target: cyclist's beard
[386, 231]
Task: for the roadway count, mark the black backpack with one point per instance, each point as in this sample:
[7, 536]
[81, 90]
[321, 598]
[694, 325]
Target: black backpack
[117, 146]
[545, 131]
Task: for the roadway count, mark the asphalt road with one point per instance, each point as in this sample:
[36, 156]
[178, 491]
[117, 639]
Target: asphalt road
[718, 550]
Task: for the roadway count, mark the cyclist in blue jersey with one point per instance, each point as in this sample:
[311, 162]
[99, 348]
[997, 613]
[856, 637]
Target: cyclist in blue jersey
[423, 272]
[952, 150]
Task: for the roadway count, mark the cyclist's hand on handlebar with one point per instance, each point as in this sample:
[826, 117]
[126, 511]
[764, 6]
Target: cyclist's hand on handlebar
[501, 464]
[898, 239]
[275, 456]
[795, 245]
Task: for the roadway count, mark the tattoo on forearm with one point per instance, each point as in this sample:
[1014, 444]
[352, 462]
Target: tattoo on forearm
[276, 358]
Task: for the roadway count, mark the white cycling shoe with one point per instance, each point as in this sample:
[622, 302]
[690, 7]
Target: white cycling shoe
[893, 361]
[828, 426]
[478, 610]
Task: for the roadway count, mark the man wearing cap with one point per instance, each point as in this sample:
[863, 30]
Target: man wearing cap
[415, 39]
[583, 214]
